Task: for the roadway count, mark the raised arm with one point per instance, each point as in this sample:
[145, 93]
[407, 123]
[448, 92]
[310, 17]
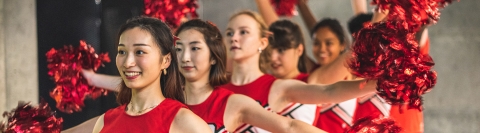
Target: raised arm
[332, 72]
[187, 122]
[108, 82]
[246, 110]
[379, 16]
[306, 14]
[267, 11]
[359, 7]
[300, 92]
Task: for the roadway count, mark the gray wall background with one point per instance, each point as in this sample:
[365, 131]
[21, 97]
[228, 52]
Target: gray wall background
[454, 104]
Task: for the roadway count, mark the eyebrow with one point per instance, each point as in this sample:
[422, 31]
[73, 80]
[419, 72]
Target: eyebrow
[191, 43]
[241, 27]
[138, 44]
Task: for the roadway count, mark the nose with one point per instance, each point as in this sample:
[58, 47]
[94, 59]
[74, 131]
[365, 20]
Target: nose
[235, 38]
[129, 61]
[185, 56]
[274, 55]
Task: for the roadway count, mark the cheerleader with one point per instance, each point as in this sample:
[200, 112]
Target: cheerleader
[247, 37]
[150, 97]
[202, 59]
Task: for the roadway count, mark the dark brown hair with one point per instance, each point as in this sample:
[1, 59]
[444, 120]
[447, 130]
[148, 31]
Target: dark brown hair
[287, 35]
[171, 82]
[214, 40]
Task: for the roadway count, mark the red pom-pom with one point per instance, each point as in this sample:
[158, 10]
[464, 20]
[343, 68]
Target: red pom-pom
[387, 51]
[65, 66]
[284, 7]
[171, 11]
[415, 12]
[28, 119]
[374, 125]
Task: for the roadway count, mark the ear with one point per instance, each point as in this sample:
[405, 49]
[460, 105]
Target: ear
[263, 43]
[343, 46]
[299, 50]
[167, 59]
[213, 61]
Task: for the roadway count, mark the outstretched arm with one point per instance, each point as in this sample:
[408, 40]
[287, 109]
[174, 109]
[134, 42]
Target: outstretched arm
[306, 14]
[250, 112]
[300, 92]
[267, 11]
[108, 82]
[359, 7]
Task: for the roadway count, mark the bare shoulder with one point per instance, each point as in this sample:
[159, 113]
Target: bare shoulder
[186, 121]
[99, 124]
[282, 85]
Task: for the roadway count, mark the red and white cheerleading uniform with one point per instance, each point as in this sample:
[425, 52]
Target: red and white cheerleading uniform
[159, 119]
[371, 105]
[259, 91]
[213, 108]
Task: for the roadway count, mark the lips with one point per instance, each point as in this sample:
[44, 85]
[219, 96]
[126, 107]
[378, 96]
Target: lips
[132, 75]
[187, 67]
[234, 48]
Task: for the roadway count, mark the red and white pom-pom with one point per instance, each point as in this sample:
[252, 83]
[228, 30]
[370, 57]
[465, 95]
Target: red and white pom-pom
[171, 11]
[65, 66]
[284, 7]
[374, 125]
[29, 119]
[387, 51]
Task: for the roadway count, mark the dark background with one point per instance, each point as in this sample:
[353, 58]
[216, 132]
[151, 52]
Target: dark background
[67, 22]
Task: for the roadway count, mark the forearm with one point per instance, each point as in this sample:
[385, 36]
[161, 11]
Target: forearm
[302, 127]
[346, 90]
[108, 82]
[359, 6]
[267, 11]
[379, 16]
[306, 14]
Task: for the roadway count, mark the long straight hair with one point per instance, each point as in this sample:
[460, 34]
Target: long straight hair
[171, 83]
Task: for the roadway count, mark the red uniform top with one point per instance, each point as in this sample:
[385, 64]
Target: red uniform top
[371, 105]
[257, 90]
[302, 77]
[159, 119]
[213, 108]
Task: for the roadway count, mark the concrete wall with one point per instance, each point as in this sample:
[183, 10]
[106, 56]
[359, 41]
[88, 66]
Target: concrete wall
[452, 106]
[18, 53]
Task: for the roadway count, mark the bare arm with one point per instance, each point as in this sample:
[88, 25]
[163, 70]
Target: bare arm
[108, 82]
[252, 113]
[85, 127]
[99, 124]
[379, 16]
[332, 72]
[300, 92]
[306, 14]
[187, 122]
[267, 11]
[359, 7]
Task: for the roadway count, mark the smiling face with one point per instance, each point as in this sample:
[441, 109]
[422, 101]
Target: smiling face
[326, 46]
[139, 60]
[194, 55]
[284, 62]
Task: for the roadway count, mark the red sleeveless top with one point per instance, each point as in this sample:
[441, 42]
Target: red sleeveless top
[257, 90]
[302, 77]
[371, 105]
[159, 119]
[213, 108]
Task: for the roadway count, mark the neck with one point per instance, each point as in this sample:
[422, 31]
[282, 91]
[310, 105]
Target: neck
[291, 75]
[197, 92]
[146, 97]
[246, 71]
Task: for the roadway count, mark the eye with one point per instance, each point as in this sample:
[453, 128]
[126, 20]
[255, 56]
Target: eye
[178, 49]
[139, 52]
[229, 34]
[121, 52]
[195, 48]
[242, 32]
[281, 51]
